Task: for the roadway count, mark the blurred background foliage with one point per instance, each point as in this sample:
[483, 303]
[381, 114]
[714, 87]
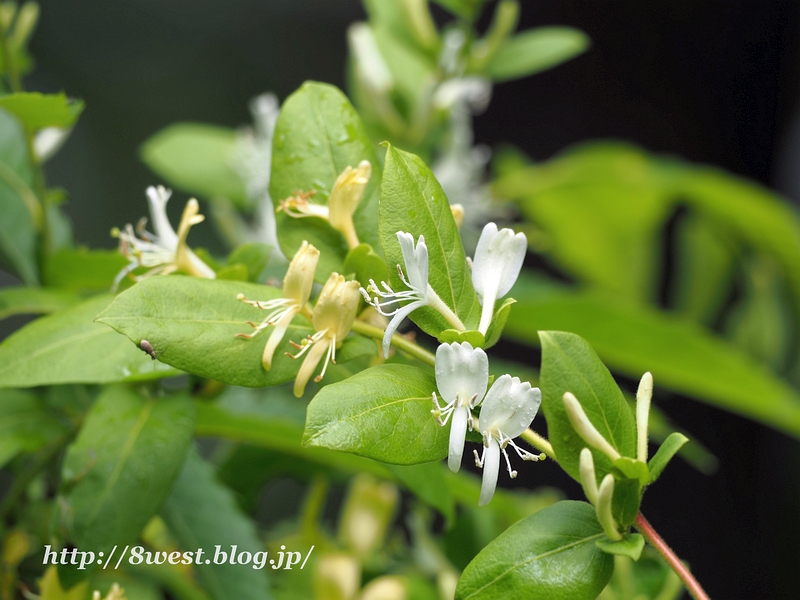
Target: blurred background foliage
[660, 263]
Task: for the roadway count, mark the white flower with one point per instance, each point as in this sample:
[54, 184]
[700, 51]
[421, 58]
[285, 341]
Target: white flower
[462, 376]
[507, 411]
[297, 287]
[165, 251]
[495, 268]
[420, 293]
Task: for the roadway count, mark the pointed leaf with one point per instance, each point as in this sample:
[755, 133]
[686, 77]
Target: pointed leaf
[25, 425]
[536, 50]
[665, 453]
[499, 322]
[34, 301]
[37, 111]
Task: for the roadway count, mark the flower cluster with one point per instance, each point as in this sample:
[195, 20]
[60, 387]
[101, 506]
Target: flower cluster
[507, 410]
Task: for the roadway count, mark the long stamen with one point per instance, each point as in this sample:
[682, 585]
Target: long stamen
[511, 473]
[330, 356]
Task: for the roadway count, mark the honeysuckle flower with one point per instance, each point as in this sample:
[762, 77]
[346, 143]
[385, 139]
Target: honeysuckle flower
[462, 376]
[346, 194]
[297, 287]
[507, 411]
[419, 294]
[332, 318]
[165, 251]
[495, 268]
[588, 432]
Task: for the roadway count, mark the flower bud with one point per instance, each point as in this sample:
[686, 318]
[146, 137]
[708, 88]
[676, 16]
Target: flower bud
[587, 431]
[588, 476]
[604, 498]
[345, 197]
[643, 396]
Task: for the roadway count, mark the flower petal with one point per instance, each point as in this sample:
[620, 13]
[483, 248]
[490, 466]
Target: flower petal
[458, 434]
[461, 371]
[158, 197]
[398, 317]
[510, 406]
[491, 468]
[416, 260]
[498, 261]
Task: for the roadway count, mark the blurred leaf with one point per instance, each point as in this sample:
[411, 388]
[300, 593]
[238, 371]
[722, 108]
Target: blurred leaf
[382, 413]
[631, 546]
[551, 554]
[569, 364]
[202, 513]
[365, 264]
[317, 136]
[50, 587]
[68, 347]
[665, 453]
[197, 159]
[121, 467]
[536, 50]
[34, 301]
[253, 255]
[466, 9]
[25, 425]
[37, 111]
[20, 211]
[680, 354]
[83, 269]
[193, 324]
[413, 201]
[427, 481]
[649, 578]
[498, 322]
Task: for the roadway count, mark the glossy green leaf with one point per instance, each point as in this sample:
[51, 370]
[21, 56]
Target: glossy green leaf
[551, 554]
[681, 355]
[282, 434]
[121, 467]
[366, 265]
[25, 425]
[632, 469]
[193, 323]
[20, 211]
[83, 269]
[536, 50]
[317, 136]
[254, 256]
[413, 201]
[473, 337]
[631, 546]
[665, 453]
[34, 301]
[626, 501]
[197, 159]
[498, 322]
[37, 111]
[69, 347]
[203, 513]
[569, 364]
[382, 413]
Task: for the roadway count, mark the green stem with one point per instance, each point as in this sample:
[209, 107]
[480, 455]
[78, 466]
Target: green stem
[657, 542]
[398, 341]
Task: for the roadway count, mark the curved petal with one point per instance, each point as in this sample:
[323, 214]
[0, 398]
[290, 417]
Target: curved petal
[461, 372]
[416, 260]
[491, 468]
[157, 198]
[276, 337]
[458, 433]
[498, 261]
[315, 354]
[395, 323]
[510, 406]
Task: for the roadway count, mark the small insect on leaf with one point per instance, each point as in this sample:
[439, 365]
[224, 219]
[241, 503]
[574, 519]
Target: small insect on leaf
[148, 347]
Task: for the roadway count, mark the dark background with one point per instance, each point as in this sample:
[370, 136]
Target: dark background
[712, 81]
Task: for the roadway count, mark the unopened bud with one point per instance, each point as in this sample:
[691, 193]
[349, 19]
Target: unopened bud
[643, 397]
[588, 476]
[587, 431]
[458, 214]
[345, 197]
[604, 497]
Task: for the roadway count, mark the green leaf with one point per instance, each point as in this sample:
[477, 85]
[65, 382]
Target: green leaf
[366, 264]
[237, 272]
[413, 201]
[626, 501]
[465, 9]
[37, 111]
[202, 513]
[681, 355]
[536, 50]
[665, 453]
[382, 413]
[632, 469]
[197, 159]
[253, 255]
[282, 434]
[551, 554]
[498, 322]
[317, 136]
[33, 301]
[193, 323]
[473, 337]
[630, 546]
[25, 425]
[121, 467]
[83, 269]
[20, 211]
[570, 365]
[68, 347]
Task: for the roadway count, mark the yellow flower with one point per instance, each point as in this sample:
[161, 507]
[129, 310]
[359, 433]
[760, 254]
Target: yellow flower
[332, 318]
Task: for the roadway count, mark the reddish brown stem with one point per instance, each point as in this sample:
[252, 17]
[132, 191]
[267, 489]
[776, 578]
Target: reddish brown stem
[657, 542]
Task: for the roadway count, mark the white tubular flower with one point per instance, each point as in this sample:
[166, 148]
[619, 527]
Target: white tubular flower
[345, 198]
[643, 396]
[420, 293]
[332, 318]
[496, 266]
[296, 290]
[462, 375]
[508, 410]
[165, 251]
